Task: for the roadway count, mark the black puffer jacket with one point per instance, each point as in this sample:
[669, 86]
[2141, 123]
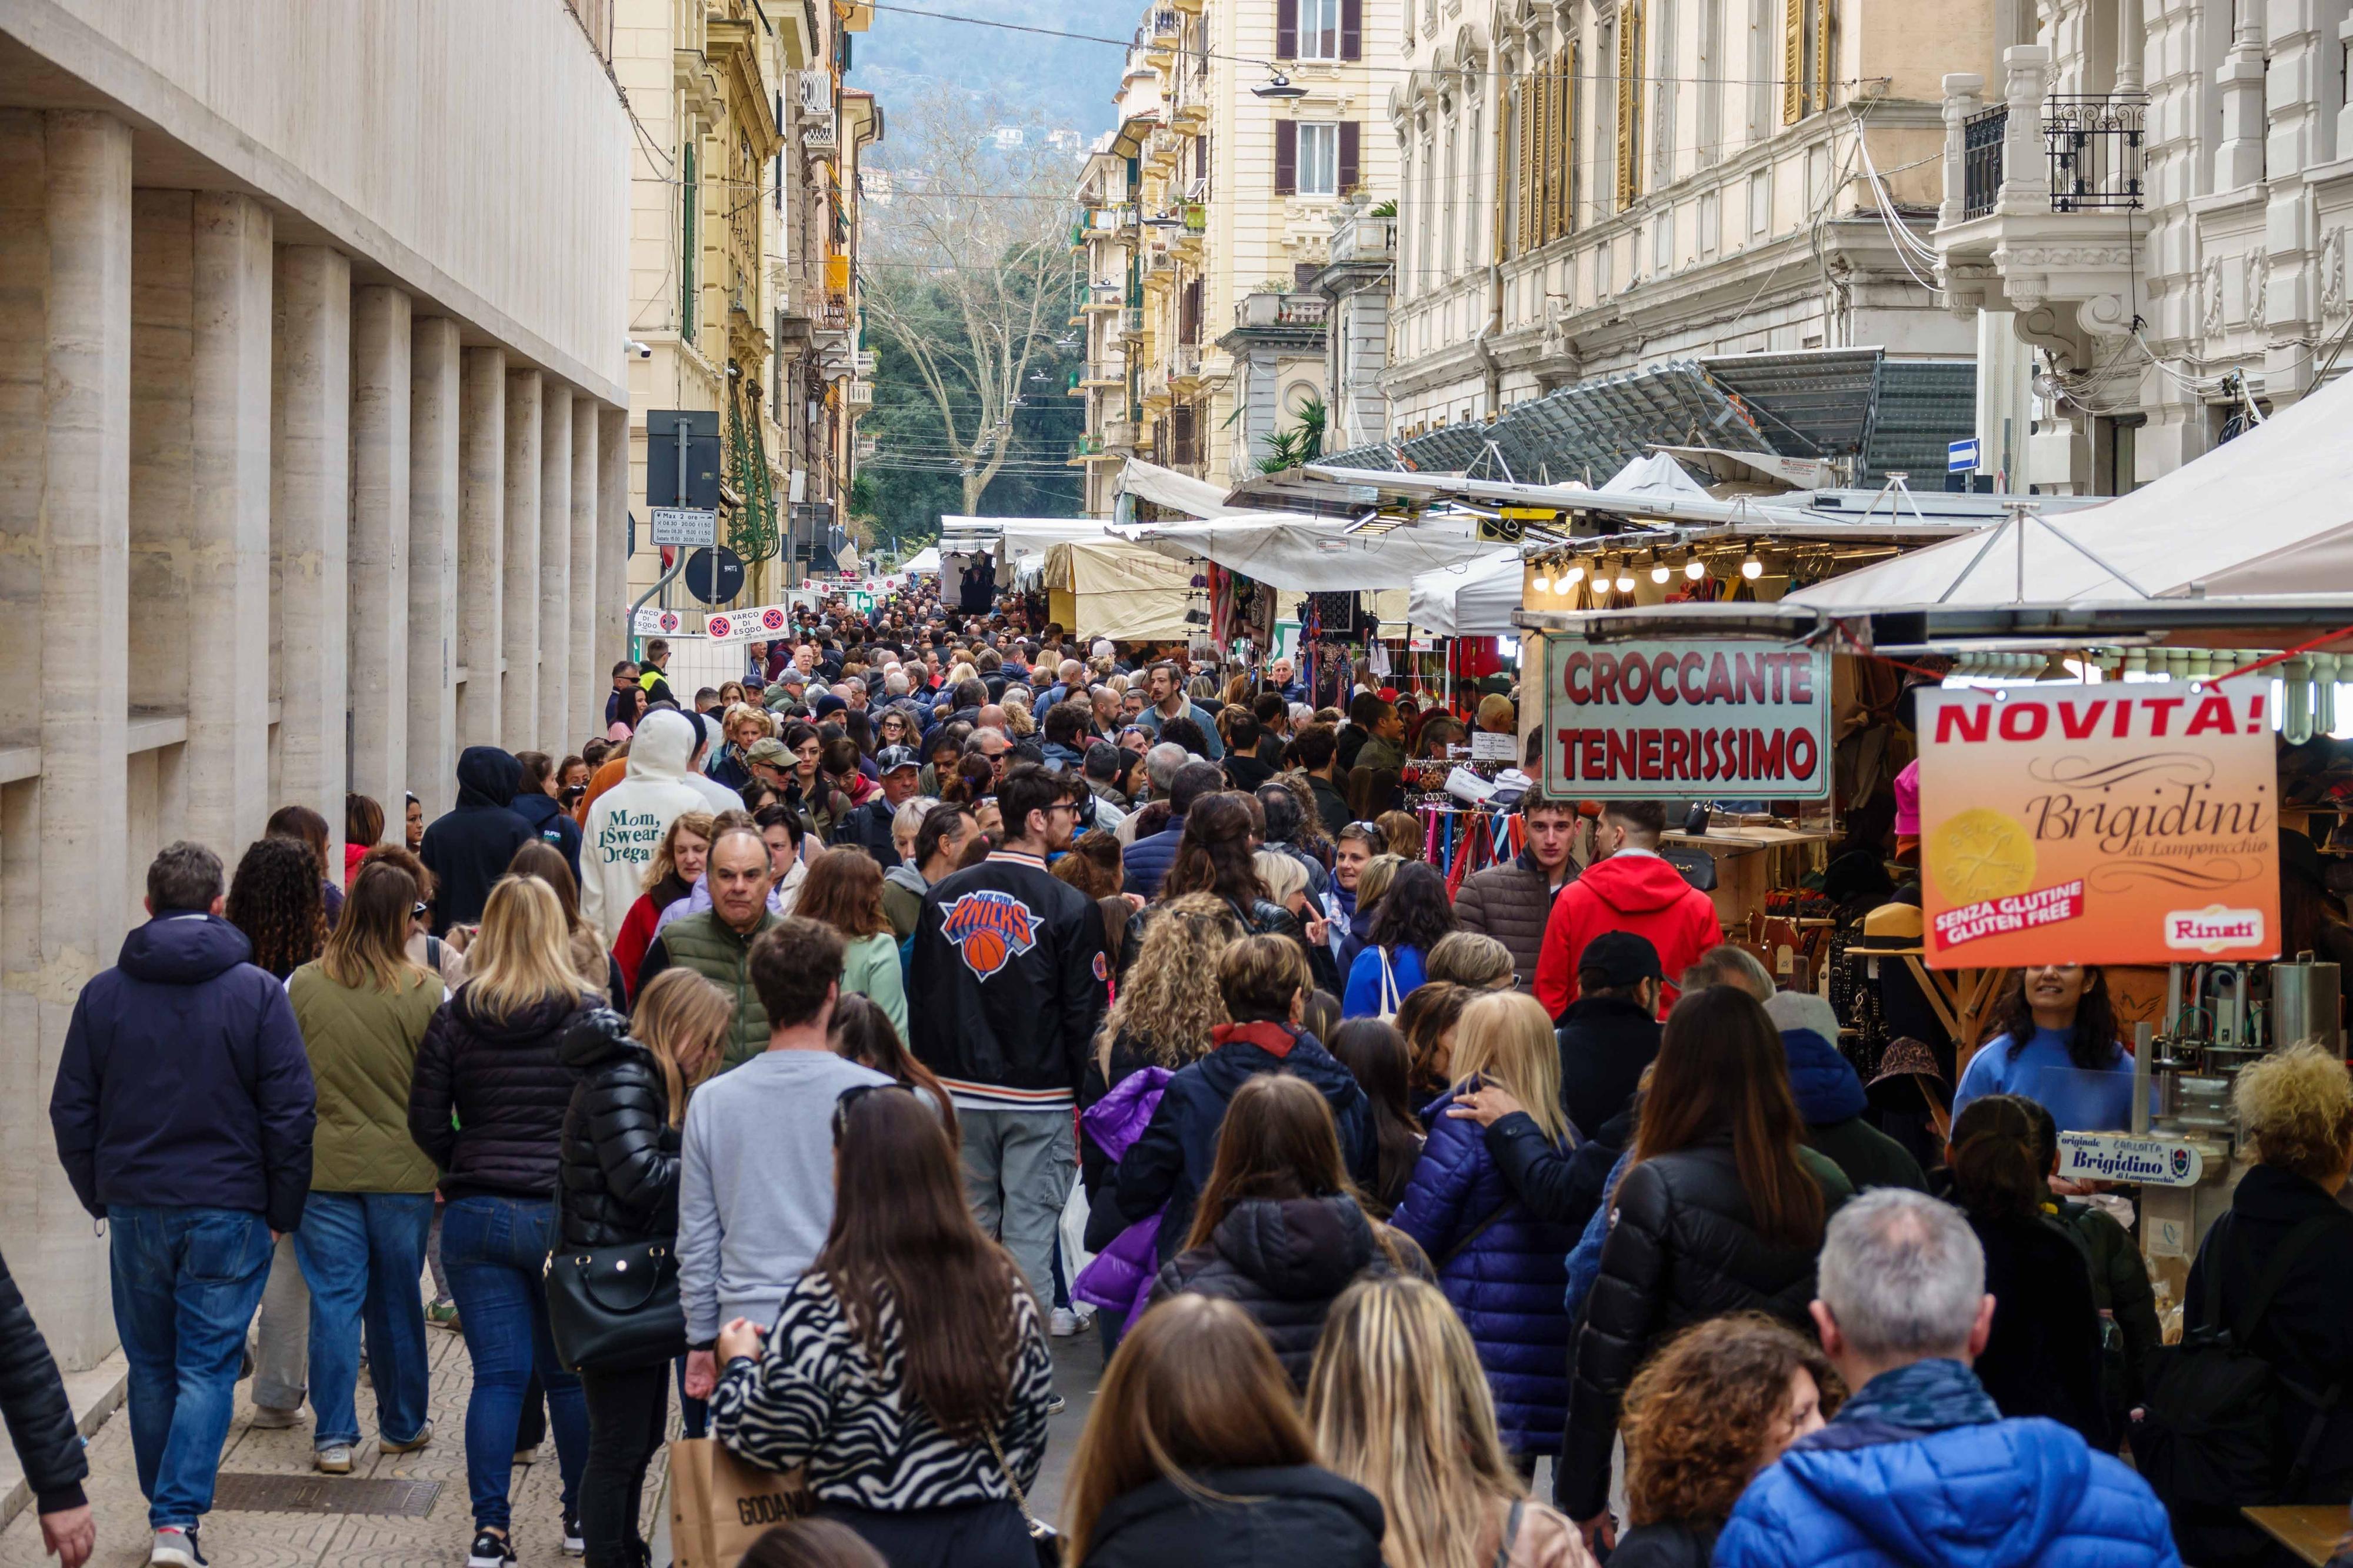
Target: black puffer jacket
[620, 1153]
[502, 1082]
[1241, 1519]
[1683, 1247]
[32, 1398]
[1282, 1260]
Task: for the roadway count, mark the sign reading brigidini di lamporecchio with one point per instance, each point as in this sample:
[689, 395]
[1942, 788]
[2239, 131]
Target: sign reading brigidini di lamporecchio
[1707, 719]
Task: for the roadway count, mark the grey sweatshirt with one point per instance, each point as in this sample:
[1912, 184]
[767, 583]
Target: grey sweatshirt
[755, 1193]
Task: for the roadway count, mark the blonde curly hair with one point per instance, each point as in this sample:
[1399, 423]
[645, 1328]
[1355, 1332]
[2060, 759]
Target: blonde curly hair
[2296, 1109]
[1168, 1005]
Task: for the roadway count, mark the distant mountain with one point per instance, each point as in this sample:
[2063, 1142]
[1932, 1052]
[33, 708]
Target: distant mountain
[1056, 83]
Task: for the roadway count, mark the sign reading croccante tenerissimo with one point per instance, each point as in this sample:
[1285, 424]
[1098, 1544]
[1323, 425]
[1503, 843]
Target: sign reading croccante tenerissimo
[1689, 718]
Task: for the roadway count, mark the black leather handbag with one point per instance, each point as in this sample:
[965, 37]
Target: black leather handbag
[612, 1309]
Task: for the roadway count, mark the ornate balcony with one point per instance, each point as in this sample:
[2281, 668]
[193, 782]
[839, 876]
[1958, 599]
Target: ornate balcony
[2033, 186]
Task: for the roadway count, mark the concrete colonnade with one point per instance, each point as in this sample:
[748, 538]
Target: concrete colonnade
[272, 527]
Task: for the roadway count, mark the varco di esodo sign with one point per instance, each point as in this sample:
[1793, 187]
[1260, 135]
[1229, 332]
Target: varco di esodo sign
[1686, 718]
[2109, 823]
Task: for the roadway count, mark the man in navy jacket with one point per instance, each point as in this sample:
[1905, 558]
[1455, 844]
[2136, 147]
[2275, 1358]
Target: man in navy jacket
[183, 1111]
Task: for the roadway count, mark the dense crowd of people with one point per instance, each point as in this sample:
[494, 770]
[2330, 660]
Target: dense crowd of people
[938, 989]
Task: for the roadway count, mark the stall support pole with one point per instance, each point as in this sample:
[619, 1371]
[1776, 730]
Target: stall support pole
[2144, 1046]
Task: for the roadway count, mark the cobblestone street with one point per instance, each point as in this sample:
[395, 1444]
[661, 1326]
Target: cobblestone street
[238, 1539]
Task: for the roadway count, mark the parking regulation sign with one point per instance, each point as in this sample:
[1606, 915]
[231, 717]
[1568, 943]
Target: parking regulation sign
[686, 527]
[1961, 457]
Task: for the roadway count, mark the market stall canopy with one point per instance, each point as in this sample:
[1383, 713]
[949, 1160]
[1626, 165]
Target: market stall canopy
[1019, 535]
[1869, 412]
[1177, 492]
[1655, 474]
[2269, 514]
[1312, 556]
[1472, 601]
[1109, 588]
[1817, 514]
[925, 563]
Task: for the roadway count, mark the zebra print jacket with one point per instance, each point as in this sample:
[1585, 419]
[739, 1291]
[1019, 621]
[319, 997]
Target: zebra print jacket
[815, 1397]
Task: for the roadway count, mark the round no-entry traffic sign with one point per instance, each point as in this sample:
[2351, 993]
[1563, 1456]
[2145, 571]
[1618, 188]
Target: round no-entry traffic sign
[714, 574]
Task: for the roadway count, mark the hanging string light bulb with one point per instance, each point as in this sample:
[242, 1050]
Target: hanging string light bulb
[1750, 567]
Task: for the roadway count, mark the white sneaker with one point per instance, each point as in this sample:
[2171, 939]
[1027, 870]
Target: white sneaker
[1063, 1324]
[175, 1548]
[334, 1460]
[270, 1418]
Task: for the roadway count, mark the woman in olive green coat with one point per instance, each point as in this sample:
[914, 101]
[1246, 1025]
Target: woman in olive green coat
[364, 1007]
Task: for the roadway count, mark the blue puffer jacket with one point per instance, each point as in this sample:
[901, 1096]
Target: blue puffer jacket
[1144, 864]
[1505, 1281]
[1990, 1495]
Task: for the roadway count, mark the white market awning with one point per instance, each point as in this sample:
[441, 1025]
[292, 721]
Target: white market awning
[925, 563]
[2269, 515]
[1177, 492]
[1312, 556]
[1018, 536]
[1472, 601]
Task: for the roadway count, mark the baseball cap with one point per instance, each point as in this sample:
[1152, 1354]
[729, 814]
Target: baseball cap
[892, 758]
[768, 749]
[1619, 958]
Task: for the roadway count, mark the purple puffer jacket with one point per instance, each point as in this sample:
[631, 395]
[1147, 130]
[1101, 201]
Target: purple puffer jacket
[1120, 1278]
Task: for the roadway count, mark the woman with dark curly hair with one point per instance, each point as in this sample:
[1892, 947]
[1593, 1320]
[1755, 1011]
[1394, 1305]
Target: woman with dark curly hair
[1413, 915]
[1714, 1406]
[275, 899]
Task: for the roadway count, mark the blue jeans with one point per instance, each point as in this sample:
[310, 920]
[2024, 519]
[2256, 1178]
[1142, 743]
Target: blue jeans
[362, 1254]
[186, 1281]
[495, 1251]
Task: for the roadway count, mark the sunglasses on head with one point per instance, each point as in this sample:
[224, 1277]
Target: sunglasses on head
[851, 1096]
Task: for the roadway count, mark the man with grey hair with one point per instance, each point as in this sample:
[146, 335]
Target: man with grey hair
[1724, 964]
[1160, 766]
[1918, 1467]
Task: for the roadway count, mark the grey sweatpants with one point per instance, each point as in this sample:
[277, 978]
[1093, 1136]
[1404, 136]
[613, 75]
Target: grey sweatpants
[1017, 1175]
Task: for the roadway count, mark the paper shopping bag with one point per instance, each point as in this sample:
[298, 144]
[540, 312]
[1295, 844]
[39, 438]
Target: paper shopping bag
[718, 1505]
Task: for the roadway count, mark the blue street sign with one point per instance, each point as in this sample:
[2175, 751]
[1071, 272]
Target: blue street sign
[1961, 457]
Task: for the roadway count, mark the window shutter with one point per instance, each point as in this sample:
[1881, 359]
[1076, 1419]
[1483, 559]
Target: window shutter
[1568, 137]
[1286, 29]
[1821, 56]
[1793, 62]
[1630, 102]
[1350, 144]
[1352, 29]
[1286, 157]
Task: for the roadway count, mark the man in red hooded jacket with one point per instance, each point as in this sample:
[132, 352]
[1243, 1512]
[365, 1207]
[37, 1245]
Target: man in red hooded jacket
[1630, 890]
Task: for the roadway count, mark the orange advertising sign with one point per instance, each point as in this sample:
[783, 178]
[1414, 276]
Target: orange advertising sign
[2110, 824]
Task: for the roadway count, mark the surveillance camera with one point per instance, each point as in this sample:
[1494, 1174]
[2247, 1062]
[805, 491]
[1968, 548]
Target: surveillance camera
[643, 351]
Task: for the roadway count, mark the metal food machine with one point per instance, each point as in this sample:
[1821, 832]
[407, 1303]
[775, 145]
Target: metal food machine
[2180, 1149]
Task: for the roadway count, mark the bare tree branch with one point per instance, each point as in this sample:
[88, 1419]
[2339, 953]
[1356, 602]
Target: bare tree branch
[969, 263]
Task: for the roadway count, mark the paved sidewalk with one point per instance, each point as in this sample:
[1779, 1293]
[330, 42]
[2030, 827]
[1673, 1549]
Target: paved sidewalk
[242, 1540]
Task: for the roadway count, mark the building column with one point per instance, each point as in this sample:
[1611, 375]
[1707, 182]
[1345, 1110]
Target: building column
[611, 642]
[310, 522]
[481, 542]
[163, 554]
[433, 491]
[226, 763]
[379, 547]
[519, 635]
[587, 710]
[81, 543]
[555, 718]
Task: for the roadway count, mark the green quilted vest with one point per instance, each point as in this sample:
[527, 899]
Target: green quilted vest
[713, 950]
